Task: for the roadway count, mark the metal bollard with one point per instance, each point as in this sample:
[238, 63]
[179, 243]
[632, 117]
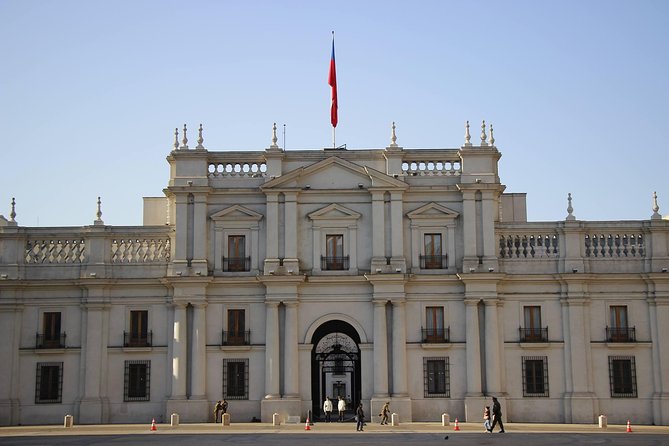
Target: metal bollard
[445, 419]
[69, 421]
[174, 420]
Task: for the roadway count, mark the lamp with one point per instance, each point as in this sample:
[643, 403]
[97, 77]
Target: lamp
[574, 270]
[360, 185]
[491, 270]
[93, 275]
[398, 270]
[471, 270]
[378, 270]
[664, 270]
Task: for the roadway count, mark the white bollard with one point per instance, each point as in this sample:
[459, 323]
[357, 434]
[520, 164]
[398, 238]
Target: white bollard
[174, 420]
[276, 420]
[69, 421]
[394, 420]
[445, 419]
[602, 422]
[226, 419]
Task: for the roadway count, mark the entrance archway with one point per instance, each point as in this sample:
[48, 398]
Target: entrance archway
[335, 366]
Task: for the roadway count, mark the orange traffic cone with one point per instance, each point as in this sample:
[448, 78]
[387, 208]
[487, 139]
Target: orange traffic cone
[306, 425]
[629, 427]
[153, 424]
[457, 426]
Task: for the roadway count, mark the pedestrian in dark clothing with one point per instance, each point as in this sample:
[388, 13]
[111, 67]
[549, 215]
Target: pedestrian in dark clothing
[496, 416]
[225, 406]
[359, 417]
[217, 411]
[384, 413]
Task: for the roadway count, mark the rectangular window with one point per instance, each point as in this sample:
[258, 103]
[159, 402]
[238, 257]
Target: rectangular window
[622, 377]
[433, 258]
[49, 383]
[436, 378]
[137, 381]
[51, 336]
[334, 253]
[139, 335]
[434, 323]
[535, 376]
[236, 334]
[532, 331]
[236, 260]
[619, 331]
[236, 379]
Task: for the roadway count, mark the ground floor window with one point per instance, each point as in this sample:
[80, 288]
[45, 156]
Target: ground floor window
[622, 376]
[535, 376]
[49, 383]
[436, 378]
[236, 379]
[137, 381]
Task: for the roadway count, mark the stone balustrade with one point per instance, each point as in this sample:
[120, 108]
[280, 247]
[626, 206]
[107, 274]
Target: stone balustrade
[236, 165]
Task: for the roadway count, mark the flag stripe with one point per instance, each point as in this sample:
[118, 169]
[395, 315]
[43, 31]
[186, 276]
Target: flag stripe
[332, 81]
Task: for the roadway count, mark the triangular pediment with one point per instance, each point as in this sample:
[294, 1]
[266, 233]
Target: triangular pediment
[334, 211]
[432, 211]
[236, 213]
[334, 173]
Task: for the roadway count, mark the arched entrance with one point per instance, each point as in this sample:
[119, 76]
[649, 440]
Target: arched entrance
[335, 366]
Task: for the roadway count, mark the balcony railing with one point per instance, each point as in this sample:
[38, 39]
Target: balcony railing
[533, 334]
[434, 262]
[236, 338]
[620, 334]
[334, 263]
[236, 264]
[50, 341]
[134, 340]
[435, 335]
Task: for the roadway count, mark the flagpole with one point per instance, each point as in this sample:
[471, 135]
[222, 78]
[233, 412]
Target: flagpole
[334, 144]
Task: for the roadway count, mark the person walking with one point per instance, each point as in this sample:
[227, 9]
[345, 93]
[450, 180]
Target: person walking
[341, 407]
[486, 418]
[360, 418]
[218, 407]
[496, 416]
[225, 406]
[384, 413]
[327, 408]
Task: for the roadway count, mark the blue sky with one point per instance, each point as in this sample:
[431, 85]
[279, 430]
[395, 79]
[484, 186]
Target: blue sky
[91, 91]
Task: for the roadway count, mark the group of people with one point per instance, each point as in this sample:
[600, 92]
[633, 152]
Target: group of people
[220, 408]
[496, 417]
[328, 407]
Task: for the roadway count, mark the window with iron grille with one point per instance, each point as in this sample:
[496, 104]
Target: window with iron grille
[237, 259]
[137, 381]
[334, 259]
[436, 378]
[433, 258]
[622, 376]
[49, 383]
[236, 379]
[535, 376]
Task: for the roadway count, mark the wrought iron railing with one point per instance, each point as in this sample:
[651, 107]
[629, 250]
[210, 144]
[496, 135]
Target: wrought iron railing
[434, 262]
[337, 263]
[135, 340]
[435, 335]
[50, 341]
[533, 334]
[235, 337]
[236, 264]
[620, 334]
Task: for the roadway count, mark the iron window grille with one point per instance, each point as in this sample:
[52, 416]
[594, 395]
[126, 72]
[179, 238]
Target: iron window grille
[50, 341]
[535, 376]
[433, 262]
[236, 379]
[236, 264]
[436, 378]
[535, 334]
[232, 337]
[622, 376]
[137, 381]
[136, 340]
[334, 263]
[436, 335]
[620, 334]
[49, 383]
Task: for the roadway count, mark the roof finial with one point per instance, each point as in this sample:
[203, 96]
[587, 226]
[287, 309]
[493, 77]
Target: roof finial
[176, 139]
[98, 220]
[393, 136]
[570, 209]
[200, 139]
[184, 141]
[483, 135]
[468, 137]
[12, 215]
[274, 138]
[656, 215]
[492, 138]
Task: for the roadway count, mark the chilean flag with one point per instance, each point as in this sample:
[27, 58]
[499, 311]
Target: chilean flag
[332, 81]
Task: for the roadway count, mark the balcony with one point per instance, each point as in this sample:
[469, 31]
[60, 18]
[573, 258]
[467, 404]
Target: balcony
[434, 262]
[435, 335]
[235, 338]
[338, 263]
[533, 334]
[236, 264]
[135, 340]
[620, 334]
[50, 341]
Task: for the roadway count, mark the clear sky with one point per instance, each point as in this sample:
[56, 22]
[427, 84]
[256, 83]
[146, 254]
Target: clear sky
[91, 91]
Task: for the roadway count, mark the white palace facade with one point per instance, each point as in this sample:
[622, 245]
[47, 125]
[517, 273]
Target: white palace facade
[276, 278]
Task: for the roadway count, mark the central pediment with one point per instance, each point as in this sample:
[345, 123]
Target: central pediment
[334, 173]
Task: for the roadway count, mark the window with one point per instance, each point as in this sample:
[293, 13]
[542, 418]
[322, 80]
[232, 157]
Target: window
[535, 376]
[49, 383]
[436, 378]
[236, 379]
[532, 331]
[137, 381]
[334, 253]
[51, 336]
[619, 331]
[236, 334]
[433, 258]
[139, 335]
[622, 376]
[434, 322]
[236, 260]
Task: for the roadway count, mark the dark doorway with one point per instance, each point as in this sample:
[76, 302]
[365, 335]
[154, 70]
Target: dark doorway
[335, 366]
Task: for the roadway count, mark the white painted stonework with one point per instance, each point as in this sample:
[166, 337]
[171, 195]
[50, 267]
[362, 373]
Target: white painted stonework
[252, 261]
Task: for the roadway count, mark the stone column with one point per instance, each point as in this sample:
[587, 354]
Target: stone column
[492, 348]
[469, 226]
[397, 231]
[291, 361]
[10, 332]
[200, 233]
[473, 348]
[290, 227]
[199, 351]
[378, 223]
[659, 311]
[179, 352]
[272, 240]
[399, 350]
[488, 229]
[272, 364]
[380, 350]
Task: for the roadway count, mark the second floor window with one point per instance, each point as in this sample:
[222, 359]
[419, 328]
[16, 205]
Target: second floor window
[434, 325]
[236, 260]
[51, 336]
[139, 335]
[334, 253]
[532, 331]
[619, 331]
[433, 258]
[236, 333]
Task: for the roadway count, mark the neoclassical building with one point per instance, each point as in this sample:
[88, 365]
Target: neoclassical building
[276, 278]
